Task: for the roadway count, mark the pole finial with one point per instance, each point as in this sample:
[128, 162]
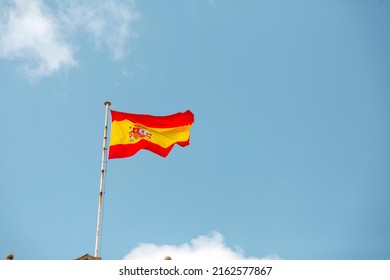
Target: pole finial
[107, 103]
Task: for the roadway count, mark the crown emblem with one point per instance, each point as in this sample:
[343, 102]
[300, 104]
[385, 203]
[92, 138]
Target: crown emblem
[139, 132]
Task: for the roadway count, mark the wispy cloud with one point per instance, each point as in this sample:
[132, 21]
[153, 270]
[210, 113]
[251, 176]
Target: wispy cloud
[108, 23]
[44, 38]
[29, 31]
[204, 247]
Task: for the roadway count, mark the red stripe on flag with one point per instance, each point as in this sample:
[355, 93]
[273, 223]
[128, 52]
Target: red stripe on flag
[128, 150]
[174, 120]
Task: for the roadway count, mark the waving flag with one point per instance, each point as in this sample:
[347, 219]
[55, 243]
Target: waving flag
[158, 134]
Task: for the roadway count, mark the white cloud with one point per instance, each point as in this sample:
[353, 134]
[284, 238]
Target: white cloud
[43, 38]
[211, 247]
[109, 23]
[29, 31]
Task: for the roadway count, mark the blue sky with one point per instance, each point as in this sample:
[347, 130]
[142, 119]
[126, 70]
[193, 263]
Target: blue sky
[289, 154]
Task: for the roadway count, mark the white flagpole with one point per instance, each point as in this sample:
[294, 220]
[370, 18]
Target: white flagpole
[104, 156]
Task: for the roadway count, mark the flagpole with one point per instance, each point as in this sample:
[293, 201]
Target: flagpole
[103, 168]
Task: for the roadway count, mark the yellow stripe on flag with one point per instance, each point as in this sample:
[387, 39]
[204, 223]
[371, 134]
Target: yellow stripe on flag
[127, 132]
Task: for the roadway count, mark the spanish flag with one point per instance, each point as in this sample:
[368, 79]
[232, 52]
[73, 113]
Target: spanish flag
[158, 134]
